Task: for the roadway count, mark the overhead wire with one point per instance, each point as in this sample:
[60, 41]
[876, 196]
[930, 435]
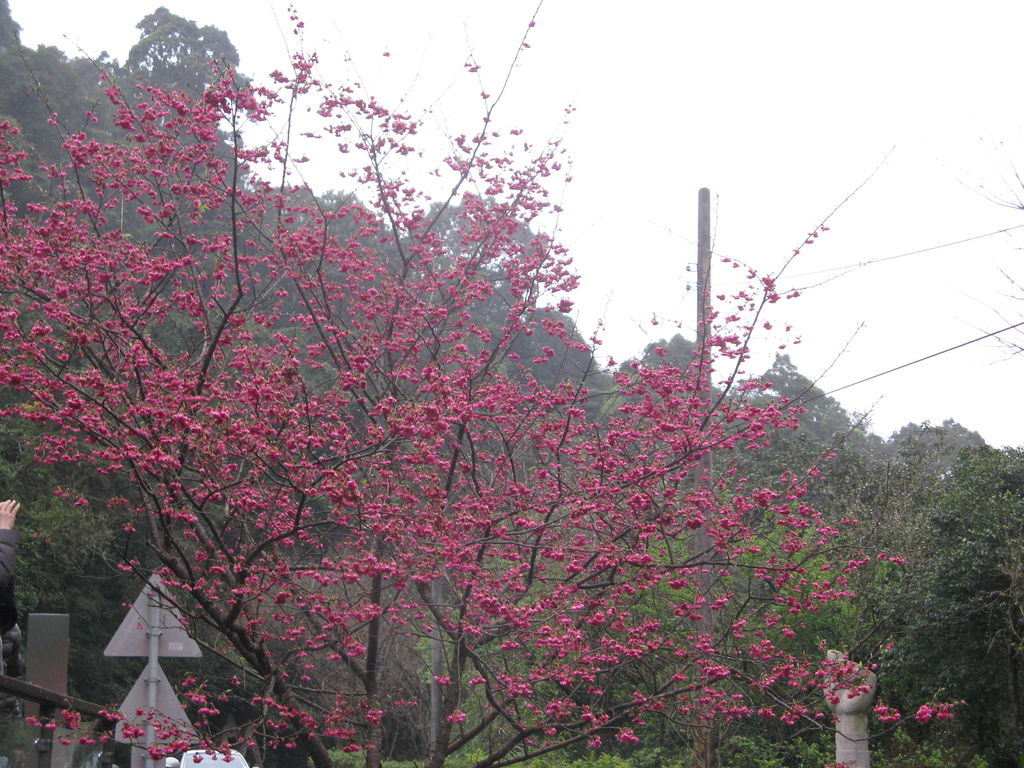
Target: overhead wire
[846, 268]
[881, 259]
[919, 360]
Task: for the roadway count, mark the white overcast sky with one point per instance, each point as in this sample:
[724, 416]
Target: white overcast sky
[782, 109]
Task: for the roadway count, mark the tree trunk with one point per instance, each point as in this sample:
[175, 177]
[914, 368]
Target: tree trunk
[371, 681]
[706, 746]
[1018, 716]
[316, 751]
[374, 739]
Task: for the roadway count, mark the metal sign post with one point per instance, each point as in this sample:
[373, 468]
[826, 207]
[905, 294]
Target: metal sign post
[152, 630]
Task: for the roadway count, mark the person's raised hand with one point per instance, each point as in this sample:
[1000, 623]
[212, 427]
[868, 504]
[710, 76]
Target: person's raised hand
[8, 513]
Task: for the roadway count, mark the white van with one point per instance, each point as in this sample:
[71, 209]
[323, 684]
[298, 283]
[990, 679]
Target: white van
[211, 758]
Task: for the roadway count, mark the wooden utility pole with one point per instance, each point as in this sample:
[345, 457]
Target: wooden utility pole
[706, 737]
[701, 541]
[703, 265]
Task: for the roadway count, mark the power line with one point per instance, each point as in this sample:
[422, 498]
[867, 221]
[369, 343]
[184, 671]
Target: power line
[908, 253]
[921, 359]
[847, 268]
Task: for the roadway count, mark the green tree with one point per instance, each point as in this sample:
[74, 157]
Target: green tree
[48, 97]
[176, 53]
[677, 351]
[957, 615]
[823, 420]
[938, 446]
[10, 32]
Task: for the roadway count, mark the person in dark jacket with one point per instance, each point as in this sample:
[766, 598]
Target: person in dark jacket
[10, 633]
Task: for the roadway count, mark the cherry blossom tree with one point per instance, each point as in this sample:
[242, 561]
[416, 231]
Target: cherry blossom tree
[356, 486]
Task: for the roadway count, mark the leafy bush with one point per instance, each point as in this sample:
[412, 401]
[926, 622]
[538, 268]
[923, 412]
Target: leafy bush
[743, 751]
[903, 752]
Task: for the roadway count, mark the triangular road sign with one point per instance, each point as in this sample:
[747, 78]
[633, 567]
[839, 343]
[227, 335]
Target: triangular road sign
[131, 638]
[168, 718]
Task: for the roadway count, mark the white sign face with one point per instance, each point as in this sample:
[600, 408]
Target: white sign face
[132, 637]
[168, 718]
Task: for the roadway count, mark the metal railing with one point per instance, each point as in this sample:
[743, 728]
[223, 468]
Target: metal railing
[51, 704]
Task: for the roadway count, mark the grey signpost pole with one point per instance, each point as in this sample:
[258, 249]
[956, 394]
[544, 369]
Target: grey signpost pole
[151, 629]
[153, 633]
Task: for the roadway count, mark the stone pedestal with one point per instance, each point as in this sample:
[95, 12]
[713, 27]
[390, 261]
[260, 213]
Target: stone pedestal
[852, 712]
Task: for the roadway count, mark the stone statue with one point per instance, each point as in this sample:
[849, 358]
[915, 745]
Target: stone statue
[852, 711]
